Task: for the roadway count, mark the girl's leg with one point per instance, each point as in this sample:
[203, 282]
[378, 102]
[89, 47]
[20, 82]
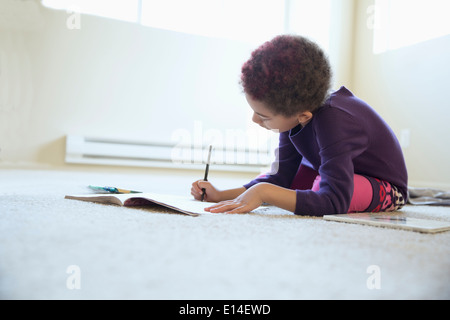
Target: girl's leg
[304, 178]
[362, 193]
[371, 195]
[386, 197]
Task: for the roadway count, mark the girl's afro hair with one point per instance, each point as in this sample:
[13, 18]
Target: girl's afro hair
[291, 74]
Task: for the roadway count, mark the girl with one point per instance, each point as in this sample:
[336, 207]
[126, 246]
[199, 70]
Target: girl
[336, 154]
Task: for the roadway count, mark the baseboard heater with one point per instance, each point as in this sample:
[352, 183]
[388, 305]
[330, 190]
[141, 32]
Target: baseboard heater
[105, 151]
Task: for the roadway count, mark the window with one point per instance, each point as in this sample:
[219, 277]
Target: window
[126, 10]
[248, 20]
[252, 21]
[401, 23]
[311, 19]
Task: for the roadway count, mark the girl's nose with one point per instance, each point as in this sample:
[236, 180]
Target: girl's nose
[256, 119]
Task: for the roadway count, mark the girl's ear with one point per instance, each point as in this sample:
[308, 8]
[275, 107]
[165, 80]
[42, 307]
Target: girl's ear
[304, 117]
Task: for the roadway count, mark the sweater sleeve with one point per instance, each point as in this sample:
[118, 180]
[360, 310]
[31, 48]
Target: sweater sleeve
[285, 166]
[340, 139]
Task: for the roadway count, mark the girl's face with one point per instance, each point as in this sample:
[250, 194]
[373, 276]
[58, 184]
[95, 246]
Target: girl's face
[279, 123]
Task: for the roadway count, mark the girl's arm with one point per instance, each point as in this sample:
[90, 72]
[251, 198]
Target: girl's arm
[284, 168]
[212, 194]
[255, 197]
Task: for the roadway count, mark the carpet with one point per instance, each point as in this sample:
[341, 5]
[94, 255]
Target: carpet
[53, 248]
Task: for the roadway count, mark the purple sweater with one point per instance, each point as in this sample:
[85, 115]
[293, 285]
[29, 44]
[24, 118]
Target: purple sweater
[344, 137]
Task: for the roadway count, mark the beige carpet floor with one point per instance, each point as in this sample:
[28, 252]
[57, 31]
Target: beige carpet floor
[53, 248]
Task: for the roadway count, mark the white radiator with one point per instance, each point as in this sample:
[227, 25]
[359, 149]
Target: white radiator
[104, 151]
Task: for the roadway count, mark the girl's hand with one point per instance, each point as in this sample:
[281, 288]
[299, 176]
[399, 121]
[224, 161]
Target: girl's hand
[212, 194]
[246, 202]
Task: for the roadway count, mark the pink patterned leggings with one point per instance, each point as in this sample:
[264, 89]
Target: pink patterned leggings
[369, 194]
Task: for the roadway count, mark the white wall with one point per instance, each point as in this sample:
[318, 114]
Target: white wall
[111, 78]
[409, 88]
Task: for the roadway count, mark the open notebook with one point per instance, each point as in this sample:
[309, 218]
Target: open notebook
[185, 205]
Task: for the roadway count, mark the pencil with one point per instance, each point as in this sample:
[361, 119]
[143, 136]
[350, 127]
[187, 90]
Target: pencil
[206, 172]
